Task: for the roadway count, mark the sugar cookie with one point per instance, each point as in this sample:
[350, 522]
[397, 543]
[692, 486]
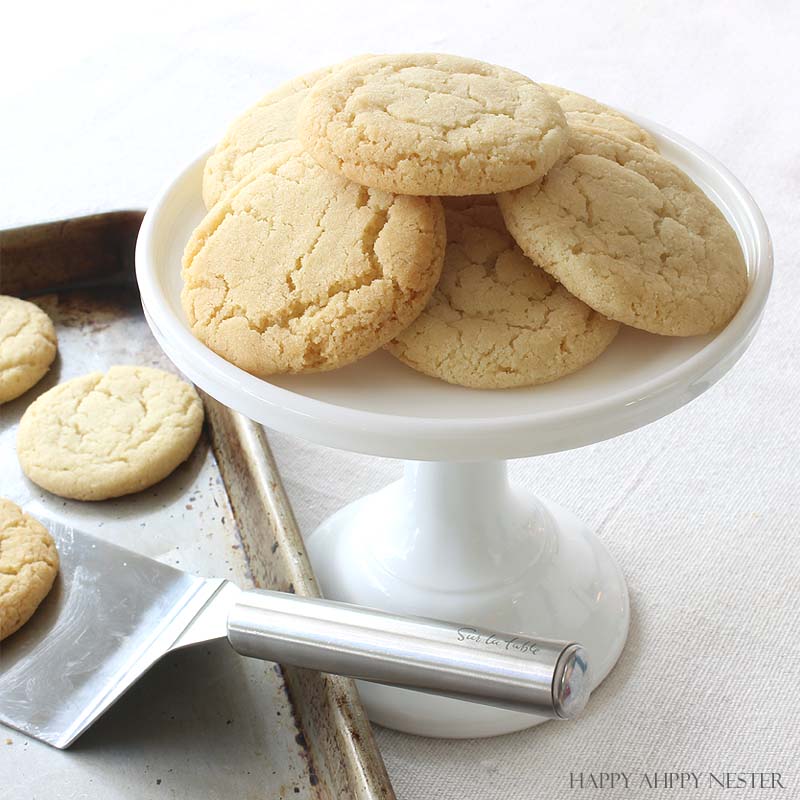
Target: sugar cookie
[496, 320]
[301, 270]
[253, 137]
[632, 236]
[27, 346]
[428, 124]
[583, 111]
[28, 566]
[107, 435]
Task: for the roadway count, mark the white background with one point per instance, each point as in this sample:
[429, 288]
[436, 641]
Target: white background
[101, 103]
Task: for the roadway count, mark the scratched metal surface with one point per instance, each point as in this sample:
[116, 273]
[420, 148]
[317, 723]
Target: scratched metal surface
[204, 722]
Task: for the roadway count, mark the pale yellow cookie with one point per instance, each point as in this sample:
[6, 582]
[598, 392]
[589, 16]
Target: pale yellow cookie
[107, 435]
[27, 346]
[253, 138]
[583, 111]
[632, 236]
[299, 270]
[496, 320]
[428, 124]
[28, 566]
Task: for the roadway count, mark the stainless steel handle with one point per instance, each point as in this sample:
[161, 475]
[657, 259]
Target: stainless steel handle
[537, 676]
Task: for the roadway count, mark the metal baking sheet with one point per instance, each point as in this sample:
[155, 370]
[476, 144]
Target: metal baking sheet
[204, 722]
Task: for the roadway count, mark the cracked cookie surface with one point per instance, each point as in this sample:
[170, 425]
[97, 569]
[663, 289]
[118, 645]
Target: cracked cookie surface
[300, 270]
[632, 236]
[429, 124]
[254, 137]
[496, 320]
[584, 111]
[28, 566]
[27, 346]
[108, 435]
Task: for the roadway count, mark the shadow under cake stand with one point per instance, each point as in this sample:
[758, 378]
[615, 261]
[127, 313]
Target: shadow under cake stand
[454, 539]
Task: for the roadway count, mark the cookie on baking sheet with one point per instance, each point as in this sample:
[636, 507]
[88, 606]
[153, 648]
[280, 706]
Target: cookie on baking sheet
[429, 124]
[496, 320]
[28, 566]
[27, 346]
[253, 137]
[583, 111]
[299, 270]
[632, 236]
[108, 435]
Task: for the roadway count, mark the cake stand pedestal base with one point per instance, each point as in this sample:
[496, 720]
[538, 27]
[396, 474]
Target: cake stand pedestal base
[457, 541]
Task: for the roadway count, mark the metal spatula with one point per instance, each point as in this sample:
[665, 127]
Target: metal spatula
[113, 613]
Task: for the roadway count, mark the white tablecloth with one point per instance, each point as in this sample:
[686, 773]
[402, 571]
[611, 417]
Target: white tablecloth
[101, 104]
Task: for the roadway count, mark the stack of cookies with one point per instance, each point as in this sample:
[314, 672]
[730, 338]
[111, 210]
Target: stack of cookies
[484, 229]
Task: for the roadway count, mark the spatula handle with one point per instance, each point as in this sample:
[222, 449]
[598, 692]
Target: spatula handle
[522, 673]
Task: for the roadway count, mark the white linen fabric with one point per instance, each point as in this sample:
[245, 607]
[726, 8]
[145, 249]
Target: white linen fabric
[102, 104]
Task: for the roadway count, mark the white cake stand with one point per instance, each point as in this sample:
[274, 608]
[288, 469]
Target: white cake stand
[453, 539]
